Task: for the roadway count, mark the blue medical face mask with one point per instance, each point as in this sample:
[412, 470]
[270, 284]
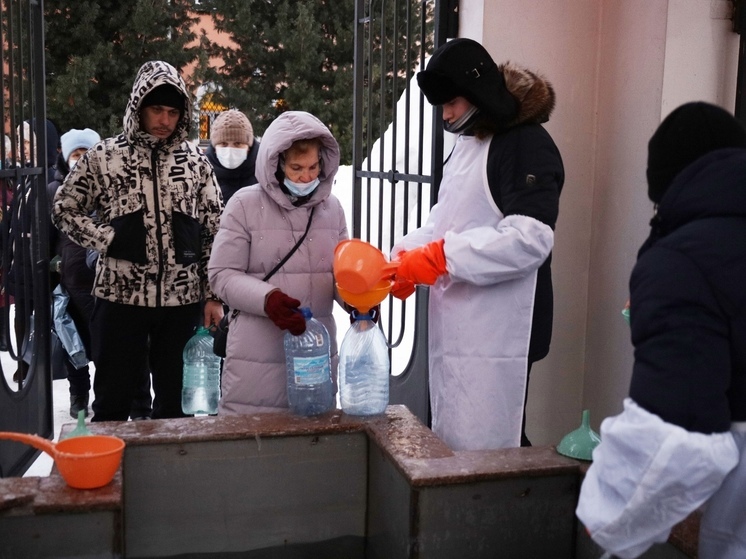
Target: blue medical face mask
[301, 188]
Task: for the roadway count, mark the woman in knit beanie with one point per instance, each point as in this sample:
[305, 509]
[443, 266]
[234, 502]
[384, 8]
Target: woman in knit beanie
[232, 152]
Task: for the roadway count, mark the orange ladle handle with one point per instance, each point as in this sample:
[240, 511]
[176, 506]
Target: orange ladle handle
[36, 441]
[388, 271]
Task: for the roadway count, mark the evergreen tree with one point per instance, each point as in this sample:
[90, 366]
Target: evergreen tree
[298, 55]
[94, 49]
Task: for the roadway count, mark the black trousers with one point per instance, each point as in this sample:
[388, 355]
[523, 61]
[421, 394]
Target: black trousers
[125, 340]
[524, 439]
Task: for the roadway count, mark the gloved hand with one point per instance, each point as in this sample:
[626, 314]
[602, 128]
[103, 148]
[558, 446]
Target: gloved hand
[402, 288]
[422, 265]
[284, 312]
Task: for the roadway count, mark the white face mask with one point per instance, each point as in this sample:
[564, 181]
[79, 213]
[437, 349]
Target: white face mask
[302, 188]
[230, 158]
[71, 163]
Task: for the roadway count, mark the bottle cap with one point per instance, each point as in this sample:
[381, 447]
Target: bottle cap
[306, 312]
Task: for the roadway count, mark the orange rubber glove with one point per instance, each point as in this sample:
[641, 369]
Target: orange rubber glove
[422, 265]
[402, 288]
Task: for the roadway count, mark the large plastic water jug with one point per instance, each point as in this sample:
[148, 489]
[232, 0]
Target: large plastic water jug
[200, 390]
[364, 368]
[308, 364]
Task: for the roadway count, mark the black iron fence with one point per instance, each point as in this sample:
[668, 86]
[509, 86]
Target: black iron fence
[25, 387]
[397, 159]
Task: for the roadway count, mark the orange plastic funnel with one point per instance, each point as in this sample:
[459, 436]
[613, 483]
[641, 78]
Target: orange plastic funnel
[359, 266]
[84, 462]
[363, 302]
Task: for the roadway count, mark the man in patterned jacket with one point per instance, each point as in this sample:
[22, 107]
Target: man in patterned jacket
[148, 202]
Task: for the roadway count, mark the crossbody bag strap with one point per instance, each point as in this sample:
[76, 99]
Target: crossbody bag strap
[292, 250]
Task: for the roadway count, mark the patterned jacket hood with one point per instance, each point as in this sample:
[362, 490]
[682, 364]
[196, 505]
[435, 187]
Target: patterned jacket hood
[151, 75]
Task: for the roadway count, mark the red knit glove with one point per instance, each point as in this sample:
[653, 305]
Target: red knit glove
[402, 288]
[284, 312]
[422, 265]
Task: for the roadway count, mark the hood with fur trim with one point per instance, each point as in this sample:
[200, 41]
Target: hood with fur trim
[534, 93]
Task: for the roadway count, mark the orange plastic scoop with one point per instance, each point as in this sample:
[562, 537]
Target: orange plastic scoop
[363, 302]
[359, 266]
[84, 462]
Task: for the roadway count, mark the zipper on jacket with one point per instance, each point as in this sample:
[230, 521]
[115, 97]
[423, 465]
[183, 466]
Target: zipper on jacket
[158, 232]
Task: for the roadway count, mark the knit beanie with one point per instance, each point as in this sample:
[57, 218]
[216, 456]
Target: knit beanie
[76, 139]
[166, 95]
[688, 133]
[231, 126]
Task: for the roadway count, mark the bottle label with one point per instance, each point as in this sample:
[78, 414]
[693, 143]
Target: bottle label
[311, 370]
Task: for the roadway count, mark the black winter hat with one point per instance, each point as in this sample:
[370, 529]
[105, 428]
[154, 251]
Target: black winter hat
[166, 95]
[688, 133]
[463, 67]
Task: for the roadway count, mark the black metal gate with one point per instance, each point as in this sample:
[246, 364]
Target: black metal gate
[397, 160]
[26, 385]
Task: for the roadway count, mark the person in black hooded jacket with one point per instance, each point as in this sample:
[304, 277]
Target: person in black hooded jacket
[681, 439]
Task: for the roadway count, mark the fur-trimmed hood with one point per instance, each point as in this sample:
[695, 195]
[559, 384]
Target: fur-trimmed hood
[507, 95]
[534, 93]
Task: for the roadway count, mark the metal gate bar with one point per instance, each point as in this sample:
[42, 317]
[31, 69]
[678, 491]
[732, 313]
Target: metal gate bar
[396, 164]
[26, 404]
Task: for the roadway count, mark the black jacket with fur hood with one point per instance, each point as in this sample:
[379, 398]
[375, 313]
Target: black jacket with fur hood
[525, 174]
[158, 199]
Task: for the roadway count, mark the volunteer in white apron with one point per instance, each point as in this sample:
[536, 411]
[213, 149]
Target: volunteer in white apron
[486, 246]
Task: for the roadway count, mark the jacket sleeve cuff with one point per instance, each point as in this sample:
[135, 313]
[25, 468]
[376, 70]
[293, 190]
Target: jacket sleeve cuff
[647, 475]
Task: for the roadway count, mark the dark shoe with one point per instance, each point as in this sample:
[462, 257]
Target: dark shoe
[141, 408]
[78, 402]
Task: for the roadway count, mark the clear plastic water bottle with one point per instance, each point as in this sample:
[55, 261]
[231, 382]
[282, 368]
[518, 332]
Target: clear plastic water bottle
[364, 368]
[200, 390]
[308, 364]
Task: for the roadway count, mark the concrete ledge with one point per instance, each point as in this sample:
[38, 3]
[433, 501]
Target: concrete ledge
[398, 488]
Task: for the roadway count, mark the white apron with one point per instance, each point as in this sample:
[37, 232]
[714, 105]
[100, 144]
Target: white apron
[480, 312]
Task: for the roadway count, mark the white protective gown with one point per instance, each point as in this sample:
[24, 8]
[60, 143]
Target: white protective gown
[480, 311]
[648, 475]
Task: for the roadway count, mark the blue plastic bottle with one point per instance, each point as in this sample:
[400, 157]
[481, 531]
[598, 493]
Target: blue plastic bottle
[308, 364]
[364, 369]
[200, 390]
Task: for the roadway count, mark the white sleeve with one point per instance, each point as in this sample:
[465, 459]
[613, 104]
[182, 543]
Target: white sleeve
[489, 255]
[647, 475]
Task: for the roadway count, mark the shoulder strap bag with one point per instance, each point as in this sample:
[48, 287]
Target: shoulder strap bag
[221, 331]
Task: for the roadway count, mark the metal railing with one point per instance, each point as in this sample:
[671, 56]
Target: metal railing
[26, 392]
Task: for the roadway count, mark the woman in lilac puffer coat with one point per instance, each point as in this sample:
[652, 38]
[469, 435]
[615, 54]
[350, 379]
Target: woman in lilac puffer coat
[260, 225]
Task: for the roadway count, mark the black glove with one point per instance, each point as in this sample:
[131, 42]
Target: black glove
[284, 312]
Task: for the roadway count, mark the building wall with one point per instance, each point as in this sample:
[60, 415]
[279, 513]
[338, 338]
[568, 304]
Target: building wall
[618, 68]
